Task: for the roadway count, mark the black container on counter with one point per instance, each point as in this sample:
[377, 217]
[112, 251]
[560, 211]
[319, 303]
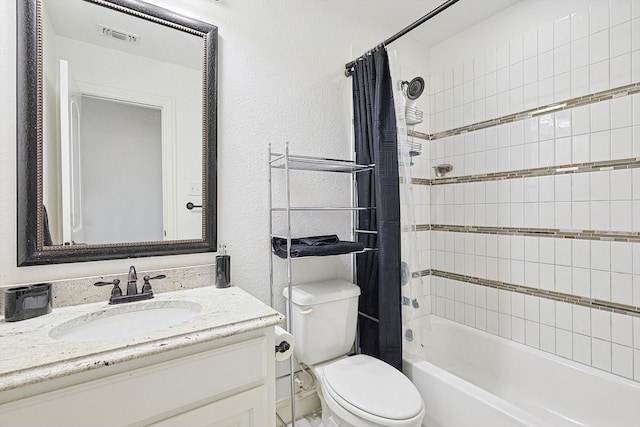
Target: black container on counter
[25, 302]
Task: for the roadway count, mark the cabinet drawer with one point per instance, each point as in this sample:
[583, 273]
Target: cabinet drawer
[246, 409]
[145, 393]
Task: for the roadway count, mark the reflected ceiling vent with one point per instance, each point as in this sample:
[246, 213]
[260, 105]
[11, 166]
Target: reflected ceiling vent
[124, 36]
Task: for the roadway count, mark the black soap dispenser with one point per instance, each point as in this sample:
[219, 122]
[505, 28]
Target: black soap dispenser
[223, 268]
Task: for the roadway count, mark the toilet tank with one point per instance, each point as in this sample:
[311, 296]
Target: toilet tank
[324, 319]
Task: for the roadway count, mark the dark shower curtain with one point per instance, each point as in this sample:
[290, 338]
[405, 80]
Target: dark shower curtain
[378, 273]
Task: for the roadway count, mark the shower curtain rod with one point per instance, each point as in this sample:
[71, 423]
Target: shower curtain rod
[425, 18]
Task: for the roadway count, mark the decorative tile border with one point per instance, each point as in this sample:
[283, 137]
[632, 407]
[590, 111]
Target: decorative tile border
[542, 293]
[629, 89]
[416, 134]
[611, 236]
[630, 163]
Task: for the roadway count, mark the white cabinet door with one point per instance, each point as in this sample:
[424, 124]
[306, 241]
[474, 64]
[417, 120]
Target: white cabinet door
[247, 409]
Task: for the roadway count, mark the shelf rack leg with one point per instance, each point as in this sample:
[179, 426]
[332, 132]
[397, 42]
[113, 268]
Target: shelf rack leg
[289, 300]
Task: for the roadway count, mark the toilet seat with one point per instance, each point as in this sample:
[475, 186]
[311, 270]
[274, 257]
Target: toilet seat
[372, 390]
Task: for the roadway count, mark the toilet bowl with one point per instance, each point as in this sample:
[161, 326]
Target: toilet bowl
[361, 391]
[355, 391]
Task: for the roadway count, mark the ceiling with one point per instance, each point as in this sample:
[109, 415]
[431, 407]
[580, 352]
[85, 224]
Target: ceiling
[392, 16]
[79, 20]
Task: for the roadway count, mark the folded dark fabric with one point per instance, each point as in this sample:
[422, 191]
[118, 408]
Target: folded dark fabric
[318, 240]
[314, 246]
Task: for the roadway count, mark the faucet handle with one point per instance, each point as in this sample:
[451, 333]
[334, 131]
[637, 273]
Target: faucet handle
[116, 291]
[146, 287]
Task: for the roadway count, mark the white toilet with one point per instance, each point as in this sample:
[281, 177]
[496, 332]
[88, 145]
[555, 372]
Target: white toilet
[358, 391]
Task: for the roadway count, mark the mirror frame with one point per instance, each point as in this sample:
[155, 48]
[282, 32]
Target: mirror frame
[31, 250]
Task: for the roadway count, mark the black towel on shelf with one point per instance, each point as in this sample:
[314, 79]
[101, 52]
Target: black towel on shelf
[318, 240]
[314, 246]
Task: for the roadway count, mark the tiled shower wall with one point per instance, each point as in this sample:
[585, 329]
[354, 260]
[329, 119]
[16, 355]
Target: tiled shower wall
[535, 235]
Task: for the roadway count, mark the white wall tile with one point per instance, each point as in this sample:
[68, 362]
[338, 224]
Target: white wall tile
[545, 90]
[622, 257]
[599, 76]
[579, 25]
[547, 312]
[598, 16]
[622, 329]
[582, 348]
[502, 56]
[547, 250]
[517, 330]
[564, 316]
[563, 251]
[580, 187]
[581, 256]
[547, 277]
[622, 143]
[600, 146]
[621, 72]
[532, 334]
[562, 31]
[581, 149]
[601, 354]
[620, 39]
[635, 31]
[601, 324]
[600, 116]
[580, 82]
[620, 184]
[600, 216]
[621, 288]
[545, 65]
[620, 11]
[548, 338]
[622, 360]
[516, 50]
[601, 285]
[564, 343]
[599, 47]
[580, 53]
[580, 120]
[545, 37]
[600, 255]
[504, 325]
[581, 320]
[580, 215]
[563, 218]
[621, 216]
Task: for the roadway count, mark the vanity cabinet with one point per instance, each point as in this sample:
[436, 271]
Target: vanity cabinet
[225, 382]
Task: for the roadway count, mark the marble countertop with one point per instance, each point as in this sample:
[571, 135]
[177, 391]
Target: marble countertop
[29, 355]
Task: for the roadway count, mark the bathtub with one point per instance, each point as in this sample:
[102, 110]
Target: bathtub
[472, 378]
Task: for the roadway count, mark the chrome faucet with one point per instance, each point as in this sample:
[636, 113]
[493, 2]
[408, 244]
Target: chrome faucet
[132, 281]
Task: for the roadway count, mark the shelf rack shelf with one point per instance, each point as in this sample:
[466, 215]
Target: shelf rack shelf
[287, 163]
[315, 164]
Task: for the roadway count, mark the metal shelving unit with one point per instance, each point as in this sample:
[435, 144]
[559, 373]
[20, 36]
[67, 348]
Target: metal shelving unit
[287, 163]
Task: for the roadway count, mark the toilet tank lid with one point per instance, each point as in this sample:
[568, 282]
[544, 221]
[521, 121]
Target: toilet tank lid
[321, 292]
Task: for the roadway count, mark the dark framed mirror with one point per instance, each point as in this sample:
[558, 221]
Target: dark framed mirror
[116, 131]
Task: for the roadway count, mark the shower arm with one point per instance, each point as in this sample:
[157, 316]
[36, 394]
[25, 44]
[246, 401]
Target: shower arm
[349, 66]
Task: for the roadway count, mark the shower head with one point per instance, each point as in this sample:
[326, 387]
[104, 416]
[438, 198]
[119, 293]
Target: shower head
[414, 88]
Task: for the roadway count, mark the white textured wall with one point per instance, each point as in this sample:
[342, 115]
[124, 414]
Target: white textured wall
[280, 79]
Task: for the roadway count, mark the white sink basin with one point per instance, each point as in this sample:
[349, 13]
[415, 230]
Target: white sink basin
[125, 321]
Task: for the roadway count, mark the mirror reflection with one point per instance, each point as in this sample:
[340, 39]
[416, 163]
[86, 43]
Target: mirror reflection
[122, 127]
